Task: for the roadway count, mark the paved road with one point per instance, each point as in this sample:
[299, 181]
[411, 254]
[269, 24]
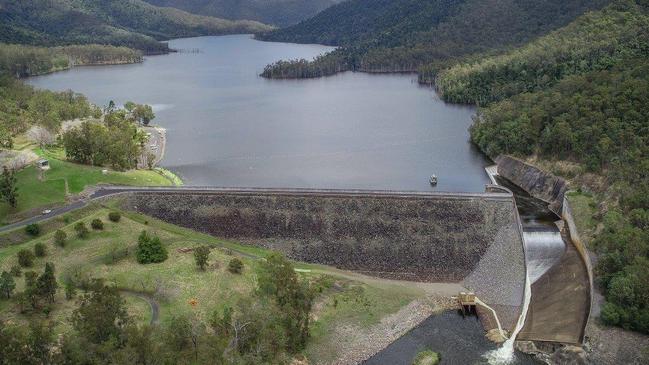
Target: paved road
[115, 190]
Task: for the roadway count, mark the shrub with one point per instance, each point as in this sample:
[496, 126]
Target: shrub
[201, 254]
[25, 258]
[81, 229]
[114, 216]
[150, 249]
[70, 290]
[235, 266]
[426, 357]
[97, 224]
[16, 271]
[40, 250]
[33, 229]
[60, 238]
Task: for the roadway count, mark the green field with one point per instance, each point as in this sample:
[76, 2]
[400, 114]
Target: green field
[344, 300]
[51, 187]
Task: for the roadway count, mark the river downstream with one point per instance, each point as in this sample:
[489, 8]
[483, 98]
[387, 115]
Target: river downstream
[226, 126]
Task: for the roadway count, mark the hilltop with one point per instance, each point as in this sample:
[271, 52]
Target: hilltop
[277, 12]
[403, 35]
[130, 23]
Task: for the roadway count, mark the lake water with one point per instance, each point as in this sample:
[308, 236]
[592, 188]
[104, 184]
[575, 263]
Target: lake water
[226, 126]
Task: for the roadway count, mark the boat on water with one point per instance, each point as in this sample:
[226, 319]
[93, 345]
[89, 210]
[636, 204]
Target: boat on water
[433, 180]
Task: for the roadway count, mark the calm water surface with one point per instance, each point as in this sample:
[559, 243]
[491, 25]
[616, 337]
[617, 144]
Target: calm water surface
[227, 126]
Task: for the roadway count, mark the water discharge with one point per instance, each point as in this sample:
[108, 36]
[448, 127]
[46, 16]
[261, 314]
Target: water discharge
[505, 354]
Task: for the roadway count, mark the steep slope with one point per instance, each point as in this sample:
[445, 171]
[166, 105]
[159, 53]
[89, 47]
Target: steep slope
[577, 103]
[403, 35]
[593, 42]
[278, 12]
[131, 23]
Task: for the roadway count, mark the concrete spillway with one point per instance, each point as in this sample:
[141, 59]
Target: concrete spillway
[543, 250]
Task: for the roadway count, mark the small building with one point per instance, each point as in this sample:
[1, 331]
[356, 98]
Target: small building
[43, 164]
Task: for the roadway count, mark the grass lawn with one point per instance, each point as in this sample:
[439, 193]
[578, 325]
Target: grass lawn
[35, 194]
[583, 207]
[177, 281]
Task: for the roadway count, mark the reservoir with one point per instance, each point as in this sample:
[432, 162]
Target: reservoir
[226, 126]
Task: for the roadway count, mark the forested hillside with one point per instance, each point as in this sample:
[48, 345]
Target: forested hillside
[595, 41]
[277, 12]
[130, 23]
[403, 35]
[23, 61]
[580, 105]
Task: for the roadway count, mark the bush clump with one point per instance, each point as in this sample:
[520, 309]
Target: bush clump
[150, 249]
[16, 271]
[114, 216]
[60, 238]
[426, 357]
[97, 224]
[33, 229]
[82, 230]
[40, 250]
[235, 266]
[201, 256]
[25, 258]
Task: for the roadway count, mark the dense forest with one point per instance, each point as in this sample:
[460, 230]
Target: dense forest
[404, 35]
[595, 41]
[586, 104]
[23, 61]
[276, 12]
[130, 23]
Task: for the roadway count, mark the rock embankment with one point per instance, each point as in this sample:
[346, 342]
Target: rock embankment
[432, 237]
[538, 183]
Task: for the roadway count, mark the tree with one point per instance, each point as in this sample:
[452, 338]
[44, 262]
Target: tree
[40, 250]
[101, 314]
[42, 136]
[7, 284]
[60, 238]
[278, 280]
[70, 290]
[235, 266]
[25, 258]
[31, 288]
[33, 229]
[129, 106]
[143, 114]
[201, 255]
[81, 229]
[114, 216]
[47, 284]
[97, 224]
[8, 188]
[150, 249]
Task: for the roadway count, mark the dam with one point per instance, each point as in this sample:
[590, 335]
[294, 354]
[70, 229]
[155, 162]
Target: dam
[469, 238]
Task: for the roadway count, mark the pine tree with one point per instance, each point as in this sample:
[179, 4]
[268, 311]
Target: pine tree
[47, 284]
[8, 188]
[7, 284]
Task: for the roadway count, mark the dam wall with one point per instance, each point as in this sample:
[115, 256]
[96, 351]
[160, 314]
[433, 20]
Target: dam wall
[538, 183]
[433, 237]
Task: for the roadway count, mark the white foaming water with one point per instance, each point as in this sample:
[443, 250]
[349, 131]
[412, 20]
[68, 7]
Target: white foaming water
[505, 354]
[543, 249]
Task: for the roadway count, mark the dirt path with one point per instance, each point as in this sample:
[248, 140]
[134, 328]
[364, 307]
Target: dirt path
[153, 304]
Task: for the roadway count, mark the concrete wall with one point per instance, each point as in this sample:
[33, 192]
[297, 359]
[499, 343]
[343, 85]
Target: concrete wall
[538, 183]
[567, 217]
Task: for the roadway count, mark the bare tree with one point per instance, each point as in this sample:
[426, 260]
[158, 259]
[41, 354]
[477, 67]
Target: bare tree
[42, 136]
